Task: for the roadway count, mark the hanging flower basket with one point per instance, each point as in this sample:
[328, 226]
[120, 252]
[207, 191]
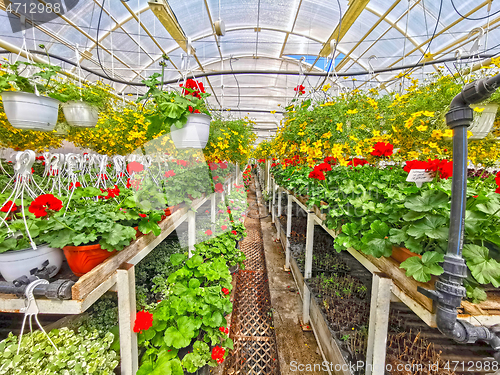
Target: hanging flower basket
[29, 111]
[82, 259]
[80, 114]
[17, 263]
[483, 121]
[194, 134]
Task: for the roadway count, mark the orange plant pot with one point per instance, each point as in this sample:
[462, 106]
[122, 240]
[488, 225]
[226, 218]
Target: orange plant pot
[400, 254]
[139, 233]
[82, 259]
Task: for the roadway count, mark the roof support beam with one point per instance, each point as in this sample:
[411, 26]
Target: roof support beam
[291, 30]
[213, 28]
[350, 16]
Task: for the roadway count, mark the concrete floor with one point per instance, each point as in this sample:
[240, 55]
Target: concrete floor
[293, 343]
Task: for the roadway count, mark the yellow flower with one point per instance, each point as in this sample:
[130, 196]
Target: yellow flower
[273, 112]
[376, 133]
[326, 87]
[339, 126]
[422, 128]
[478, 110]
[328, 135]
[448, 133]
[352, 111]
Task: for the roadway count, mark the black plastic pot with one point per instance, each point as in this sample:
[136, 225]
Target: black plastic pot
[205, 370]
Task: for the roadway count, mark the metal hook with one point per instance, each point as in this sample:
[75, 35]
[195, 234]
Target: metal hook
[371, 71]
[475, 46]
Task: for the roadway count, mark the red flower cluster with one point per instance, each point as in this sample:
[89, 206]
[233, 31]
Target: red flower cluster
[212, 166]
[445, 167]
[224, 227]
[193, 88]
[224, 330]
[330, 160]
[208, 232]
[219, 188]
[142, 215]
[40, 158]
[112, 192]
[44, 203]
[261, 160]
[356, 161]
[382, 149]
[318, 170]
[225, 291]
[182, 162]
[190, 109]
[218, 354]
[222, 165]
[77, 184]
[234, 232]
[134, 167]
[300, 89]
[143, 321]
[497, 180]
[9, 207]
[169, 173]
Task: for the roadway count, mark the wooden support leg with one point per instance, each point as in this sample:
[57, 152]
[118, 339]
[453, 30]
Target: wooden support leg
[237, 182]
[125, 282]
[308, 266]
[379, 323]
[288, 230]
[273, 201]
[279, 203]
[191, 219]
[213, 210]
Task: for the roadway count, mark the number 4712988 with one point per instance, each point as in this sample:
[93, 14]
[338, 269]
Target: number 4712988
[32, 8]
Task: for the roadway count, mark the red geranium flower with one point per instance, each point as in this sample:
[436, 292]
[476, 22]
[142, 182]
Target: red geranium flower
[134, 167]
[224, 227]
[142, 215]
[224, 330]
[218, 354]
[317, 175]
[445, 169]
[170, 173]
[356, 161]
[143, 321]
[300, 89]
[212, 166]
[323, 167]
[497, 179]
[222, 165]
[78, 184]
[208, 232]
[45, 202]
[103, 176]
[415, 164]
[234, 232]
[128, 183]
[382, 149]
[9, 207]
[330, 160]
[225, 291]
[219, 188]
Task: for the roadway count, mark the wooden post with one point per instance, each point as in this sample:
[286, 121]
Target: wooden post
[379, 323]
[273, 201]
[268, 176]
[279, 202]
[288, 230]
[125, 282]
[213, 209]
[237, 174]
[191, 219]
[308, 266]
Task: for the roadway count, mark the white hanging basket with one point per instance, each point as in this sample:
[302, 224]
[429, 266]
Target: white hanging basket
[16, 263]
[29, 111]
[80, 114]
[483, 121]
[195, 132]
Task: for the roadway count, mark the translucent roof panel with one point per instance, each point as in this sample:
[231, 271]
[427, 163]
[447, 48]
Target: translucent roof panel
[264, 35]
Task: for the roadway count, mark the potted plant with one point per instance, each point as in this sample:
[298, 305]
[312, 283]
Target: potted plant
[18, 257]
[82, 103]
[184, 114]
[24, 106]
[92, 229]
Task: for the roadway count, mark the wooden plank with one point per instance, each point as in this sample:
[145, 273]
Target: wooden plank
[91, 280]
[299, 279]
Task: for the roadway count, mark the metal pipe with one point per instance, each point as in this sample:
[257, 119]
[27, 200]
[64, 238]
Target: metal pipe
[449, 290]
[59, 289]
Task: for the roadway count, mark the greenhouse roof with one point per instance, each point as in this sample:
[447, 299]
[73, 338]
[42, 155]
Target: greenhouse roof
[127, 40]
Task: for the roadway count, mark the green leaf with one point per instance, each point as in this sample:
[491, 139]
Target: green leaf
[194, 283]
[483, 268]
[413, 215]
[146, 226]
[430, 226]
[177, 259]
[8, 244]
[376, 241]
[475, 293]
[398, 236]
[350, 229]
[422, 269]
[414, 245]
[492, 207]
[213, 320]
[194, 261]
[173, 337]
[429, 200]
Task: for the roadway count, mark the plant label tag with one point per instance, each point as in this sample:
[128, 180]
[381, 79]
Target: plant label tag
[419, 176]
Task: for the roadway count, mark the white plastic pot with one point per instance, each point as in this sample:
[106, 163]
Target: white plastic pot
[14, 264]
[80, 114]
[31, 112]
[195, 132]
[483, 121]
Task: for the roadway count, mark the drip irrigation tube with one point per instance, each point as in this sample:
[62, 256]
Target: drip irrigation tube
[449, 290]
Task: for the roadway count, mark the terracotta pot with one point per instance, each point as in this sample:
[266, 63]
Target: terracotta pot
[400, 254]
[82, 259]
[169, 211]
[139, 233]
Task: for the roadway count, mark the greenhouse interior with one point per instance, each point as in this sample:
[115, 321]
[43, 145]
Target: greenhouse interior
[250, 187]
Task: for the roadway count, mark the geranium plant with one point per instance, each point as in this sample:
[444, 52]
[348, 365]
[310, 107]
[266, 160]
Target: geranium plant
[173, 107]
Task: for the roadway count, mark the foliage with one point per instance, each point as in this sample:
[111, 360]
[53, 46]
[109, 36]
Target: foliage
[40, 77]
[78, 353]
[230, 140]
